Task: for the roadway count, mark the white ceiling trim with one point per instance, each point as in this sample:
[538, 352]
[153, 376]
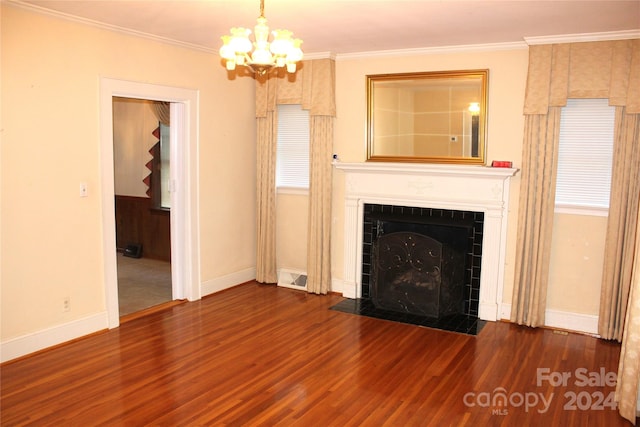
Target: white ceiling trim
[109, 27]
[307, 56]
[587, 37]
[527, 41]
[435, 50]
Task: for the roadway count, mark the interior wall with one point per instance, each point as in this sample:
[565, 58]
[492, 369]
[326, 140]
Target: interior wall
[575, 270]
[292, 217]
[51, 237]
[507, 78]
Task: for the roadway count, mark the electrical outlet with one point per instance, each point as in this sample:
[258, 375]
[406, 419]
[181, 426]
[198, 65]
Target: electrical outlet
[66, 304]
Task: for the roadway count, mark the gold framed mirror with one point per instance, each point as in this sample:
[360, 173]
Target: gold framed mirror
[431, 117]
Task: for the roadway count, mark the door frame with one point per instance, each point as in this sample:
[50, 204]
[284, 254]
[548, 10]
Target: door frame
[185, 245]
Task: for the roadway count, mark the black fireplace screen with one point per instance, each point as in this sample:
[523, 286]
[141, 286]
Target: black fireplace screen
[422, 261]
[417, 274]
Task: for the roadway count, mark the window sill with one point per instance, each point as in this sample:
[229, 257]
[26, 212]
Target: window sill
[293, 190]
[581, 210]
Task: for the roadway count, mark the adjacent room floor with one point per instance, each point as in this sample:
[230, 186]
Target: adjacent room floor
[142, 283]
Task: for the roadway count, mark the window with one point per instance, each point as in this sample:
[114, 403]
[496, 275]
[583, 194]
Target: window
[165, 150]
[161, 164]
[585, 157]
[292, 160]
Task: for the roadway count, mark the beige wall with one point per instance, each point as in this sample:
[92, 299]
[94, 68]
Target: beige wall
[575, 272]
[576, 266]
[51, 238]
[572, 287]
[292, 216]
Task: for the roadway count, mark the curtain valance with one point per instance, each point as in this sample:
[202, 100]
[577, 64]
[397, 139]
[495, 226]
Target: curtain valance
[162, 110]
[607, 69]
[312, 86]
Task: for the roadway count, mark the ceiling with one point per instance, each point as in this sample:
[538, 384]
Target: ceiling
[354, 26]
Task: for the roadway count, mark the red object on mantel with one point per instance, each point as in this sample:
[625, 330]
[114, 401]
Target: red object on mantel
[501, 164]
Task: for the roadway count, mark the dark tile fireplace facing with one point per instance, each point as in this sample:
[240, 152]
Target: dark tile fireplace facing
[421, 266]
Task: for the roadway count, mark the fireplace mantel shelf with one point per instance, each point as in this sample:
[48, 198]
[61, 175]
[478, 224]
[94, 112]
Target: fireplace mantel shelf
[426, 168]
[440, 186]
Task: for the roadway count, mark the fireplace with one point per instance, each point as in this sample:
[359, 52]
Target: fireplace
[479, 190]
[422, 261]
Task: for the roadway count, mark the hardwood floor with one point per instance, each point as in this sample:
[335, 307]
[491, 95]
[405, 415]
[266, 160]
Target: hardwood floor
[262, 355]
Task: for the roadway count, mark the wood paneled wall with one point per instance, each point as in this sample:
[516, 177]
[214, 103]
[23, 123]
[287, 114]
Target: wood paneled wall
[137, 221]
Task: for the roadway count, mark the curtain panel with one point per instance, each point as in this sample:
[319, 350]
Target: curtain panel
[628, 385]
[537, 198]
[586, 70]
[267, 138]
[621, 226]
[313, 86]
[319, 225]
[609, 69]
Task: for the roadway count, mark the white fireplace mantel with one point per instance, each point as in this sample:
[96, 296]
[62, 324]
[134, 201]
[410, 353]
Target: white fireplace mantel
[455, 187]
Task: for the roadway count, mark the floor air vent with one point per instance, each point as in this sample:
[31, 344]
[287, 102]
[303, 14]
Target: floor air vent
[292, 279]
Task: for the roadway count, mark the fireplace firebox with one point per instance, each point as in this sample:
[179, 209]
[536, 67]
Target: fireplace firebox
[422, 261]
[416, 274]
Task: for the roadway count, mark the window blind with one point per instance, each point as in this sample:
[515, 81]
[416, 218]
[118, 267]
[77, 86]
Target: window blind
[292, 159]
[585, 154]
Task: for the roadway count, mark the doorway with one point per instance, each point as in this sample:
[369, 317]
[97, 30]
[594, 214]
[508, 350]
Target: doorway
[185, 257]
[142, 159]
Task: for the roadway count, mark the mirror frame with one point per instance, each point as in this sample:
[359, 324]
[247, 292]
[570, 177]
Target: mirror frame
[482, 75]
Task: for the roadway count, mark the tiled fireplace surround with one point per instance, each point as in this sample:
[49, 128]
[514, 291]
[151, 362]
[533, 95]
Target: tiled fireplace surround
[454, 187]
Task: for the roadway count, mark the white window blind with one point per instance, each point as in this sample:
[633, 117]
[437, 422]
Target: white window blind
[292, 160]
[585, 154]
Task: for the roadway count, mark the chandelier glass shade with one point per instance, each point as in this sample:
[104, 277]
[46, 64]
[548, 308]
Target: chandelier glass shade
[261, 55]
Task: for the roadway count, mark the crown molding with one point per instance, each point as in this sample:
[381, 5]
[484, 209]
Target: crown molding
[584, 37]
[101, 25]
[434, 50]
[319, 55]
[528, 41]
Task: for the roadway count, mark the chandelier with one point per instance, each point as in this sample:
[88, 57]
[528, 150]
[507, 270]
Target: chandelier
[282, 51]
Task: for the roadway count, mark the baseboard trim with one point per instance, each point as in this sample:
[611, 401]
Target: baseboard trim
[337, 286]
[49, 337]
[228, 281]
[349, 290]
[578, 322]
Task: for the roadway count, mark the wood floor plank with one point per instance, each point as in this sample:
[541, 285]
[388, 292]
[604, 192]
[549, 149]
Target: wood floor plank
[263, 355]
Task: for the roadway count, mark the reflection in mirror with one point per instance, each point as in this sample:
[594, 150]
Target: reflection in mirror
[435, 117]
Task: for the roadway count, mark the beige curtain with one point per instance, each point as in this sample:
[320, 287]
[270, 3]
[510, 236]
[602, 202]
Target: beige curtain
[313, 86]
[162, 111]
[266, 198]
[629, 367]
[586, 70]
[319, 226]
[556, 73]
[621, 226]
[537, 197]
